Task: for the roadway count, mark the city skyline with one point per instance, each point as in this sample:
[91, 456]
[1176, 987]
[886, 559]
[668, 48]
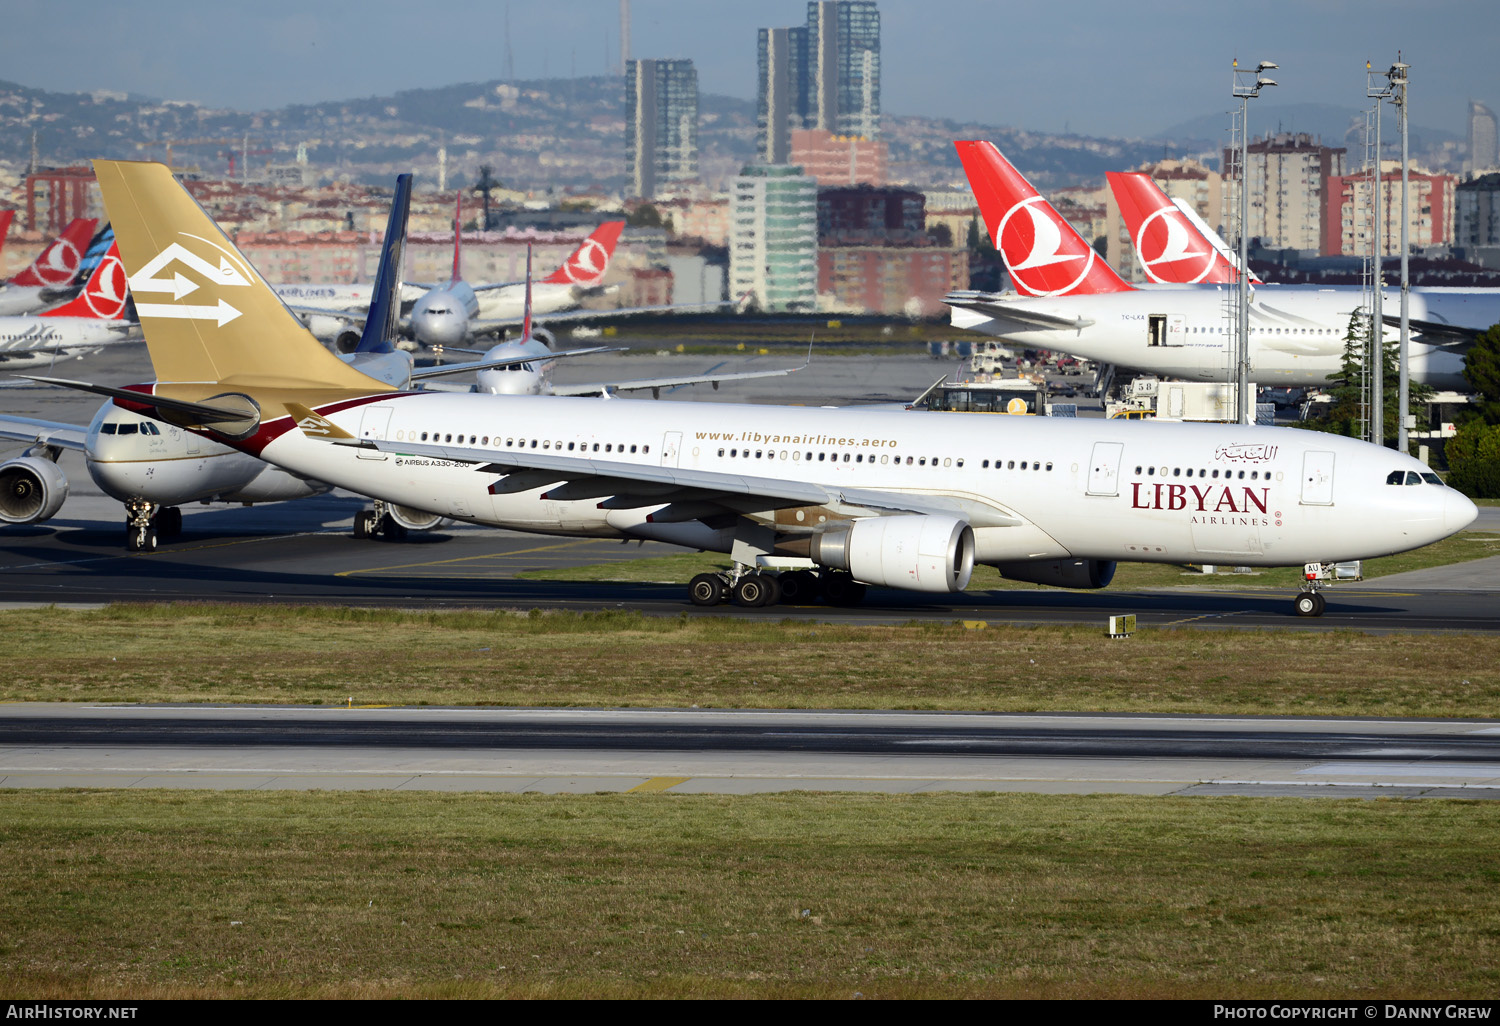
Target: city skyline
[1074, 68]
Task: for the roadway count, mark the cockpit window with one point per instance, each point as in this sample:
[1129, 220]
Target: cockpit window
[128, 429]
[106, 429]
[1395, 477]
[1432, 479]
[1413, 478]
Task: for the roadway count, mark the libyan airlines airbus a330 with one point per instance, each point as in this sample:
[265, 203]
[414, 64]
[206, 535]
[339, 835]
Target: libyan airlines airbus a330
[877, 497]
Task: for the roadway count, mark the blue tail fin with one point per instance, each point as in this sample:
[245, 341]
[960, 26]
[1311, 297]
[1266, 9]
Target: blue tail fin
[385, 297]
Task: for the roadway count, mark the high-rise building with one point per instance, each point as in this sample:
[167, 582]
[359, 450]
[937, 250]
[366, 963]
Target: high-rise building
[824, 75]
[773, 237]
[1484, 138]
[661, 124]
[1346, 215]
[1288, 175]
[1477, 214]
[843, 42]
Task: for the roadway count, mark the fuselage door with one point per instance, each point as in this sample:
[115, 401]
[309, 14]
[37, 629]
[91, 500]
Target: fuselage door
[671, 445]
[1104, 468]
[1317, 479]
[373, 428]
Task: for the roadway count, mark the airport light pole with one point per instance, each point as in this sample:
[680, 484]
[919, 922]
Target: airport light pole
[1397, 77]
[1375, 90]
[1247, 85]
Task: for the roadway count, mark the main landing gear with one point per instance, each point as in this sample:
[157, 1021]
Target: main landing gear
[146, 522]
[747, 587]
[378, 522]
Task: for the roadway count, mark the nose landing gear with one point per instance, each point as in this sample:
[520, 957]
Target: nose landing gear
[1315, 577]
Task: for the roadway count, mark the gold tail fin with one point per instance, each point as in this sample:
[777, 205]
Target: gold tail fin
[207, 315]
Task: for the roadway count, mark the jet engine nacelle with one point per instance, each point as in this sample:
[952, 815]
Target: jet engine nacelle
[347, 340]
[326, 328]
[1061, 573]
[414, 519]
[32, 490]
[920, 553]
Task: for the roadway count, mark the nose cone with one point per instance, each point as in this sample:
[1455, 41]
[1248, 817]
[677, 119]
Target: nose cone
[439, 328]
[1459, 510]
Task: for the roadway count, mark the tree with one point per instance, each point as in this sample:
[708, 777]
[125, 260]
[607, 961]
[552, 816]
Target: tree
[1474, 459]
[644, 216]
[1482, 372]
[1349, 385]
[487, 183]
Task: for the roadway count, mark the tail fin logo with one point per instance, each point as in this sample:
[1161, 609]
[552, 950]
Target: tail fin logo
[1170, 251]
[587, 264]
[105, 292]
[1033, 244]
[150, 279]
[58, 265]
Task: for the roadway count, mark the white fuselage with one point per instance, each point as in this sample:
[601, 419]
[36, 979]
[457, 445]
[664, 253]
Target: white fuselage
[508, 302]
[441, 317]
[130, 456]
[1151, 492]
[16, 300]
[1296, 332]
[22, 337]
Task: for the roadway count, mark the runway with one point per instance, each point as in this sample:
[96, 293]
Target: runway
[739, 752]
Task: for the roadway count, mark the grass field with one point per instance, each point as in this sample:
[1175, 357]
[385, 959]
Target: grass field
[175, 894]
[331, 655]
[679, 569]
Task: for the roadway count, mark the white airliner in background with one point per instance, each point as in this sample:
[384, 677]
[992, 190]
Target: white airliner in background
[95, 317]
[47, 279]
[1067, 299]
[154, 468]
[864, 497]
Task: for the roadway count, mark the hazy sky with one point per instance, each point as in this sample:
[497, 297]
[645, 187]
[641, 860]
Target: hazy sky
[1101, 68]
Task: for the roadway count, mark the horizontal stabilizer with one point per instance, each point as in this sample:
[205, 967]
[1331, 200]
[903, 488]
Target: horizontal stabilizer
[238, 417]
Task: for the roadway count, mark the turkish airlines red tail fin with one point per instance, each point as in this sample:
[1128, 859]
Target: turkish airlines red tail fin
[6, 216]
[458, 237]
[590, 260]
[55, 266]
[1169, 246]
[1043, 253]
[104, 295]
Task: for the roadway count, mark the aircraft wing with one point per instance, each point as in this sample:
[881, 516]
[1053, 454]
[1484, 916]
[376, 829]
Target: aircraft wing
[508, 361]
[488, 325]
[1436, 333]
[633, 485]
[657, 384]
[354, 315]
[1025, 318]
[44, 432]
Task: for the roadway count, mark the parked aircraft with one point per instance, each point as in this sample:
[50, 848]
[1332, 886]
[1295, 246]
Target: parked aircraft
[97, 316]
[155, 468]
[1069, 300]
[865, 497]
[46, 279]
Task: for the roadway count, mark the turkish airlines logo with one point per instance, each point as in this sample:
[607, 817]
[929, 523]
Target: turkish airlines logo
[58, 264]
[1041, 261]
[1171, 252]
[231, 271]
[586, 266]
[105, 292]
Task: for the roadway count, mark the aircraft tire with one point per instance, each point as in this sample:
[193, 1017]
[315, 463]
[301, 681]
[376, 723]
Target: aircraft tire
[840, 589]
[1309, 603]
[364, 523]
[168, 523]
[706, 590]
[750, 591]
[390, 530]
[799, 587]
